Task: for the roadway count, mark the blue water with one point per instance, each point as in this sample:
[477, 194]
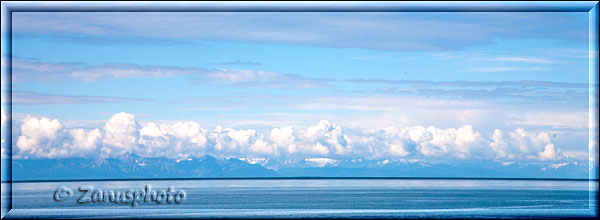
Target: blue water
[314, 198]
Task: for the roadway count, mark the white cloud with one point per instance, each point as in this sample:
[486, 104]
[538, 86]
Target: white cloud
[237, 76]
[468, 141]
[48, 138]
[181, 139]
[431, 142]
[84, 142]
[319, 149]
[242, 138]
[190, 131]
[284, 139]
[499, 145]
[504, 69]
[523, 59]
[41, 138]
[549, 152]
[260, 78]
[152, 130]
[27, 70]
[388, 141]
[152, 135]
[520, 144]
[115, 71]
[463, 142]
[326, 137]
[261, 146]
[121, 133]
[43, 128]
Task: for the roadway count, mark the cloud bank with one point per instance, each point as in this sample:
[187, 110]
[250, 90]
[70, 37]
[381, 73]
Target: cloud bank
[41, 137]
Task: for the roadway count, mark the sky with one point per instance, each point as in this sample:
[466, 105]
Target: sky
[438, 87]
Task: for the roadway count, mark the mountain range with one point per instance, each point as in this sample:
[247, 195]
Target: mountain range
[134, 166]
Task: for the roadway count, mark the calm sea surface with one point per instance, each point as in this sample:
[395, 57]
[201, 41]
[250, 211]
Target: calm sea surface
[308, 198]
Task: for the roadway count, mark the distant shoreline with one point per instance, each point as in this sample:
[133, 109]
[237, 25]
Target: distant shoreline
[298, 178]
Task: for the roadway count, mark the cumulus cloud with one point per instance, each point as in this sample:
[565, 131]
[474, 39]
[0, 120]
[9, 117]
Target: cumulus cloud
[387, 141]
[84, 142]
[325, 138]
[283, 138]
[181, 139]
[520, 144]
[41, 138]
[431, 142]
[321, 144]
[121, 132]
[460, 143]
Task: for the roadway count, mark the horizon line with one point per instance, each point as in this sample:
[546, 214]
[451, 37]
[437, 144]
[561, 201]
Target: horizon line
[299, 178]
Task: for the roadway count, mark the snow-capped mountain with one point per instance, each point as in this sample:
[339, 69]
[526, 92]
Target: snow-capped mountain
[134, 166]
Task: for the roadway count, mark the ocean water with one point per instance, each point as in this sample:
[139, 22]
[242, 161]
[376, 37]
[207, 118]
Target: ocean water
[308, 198]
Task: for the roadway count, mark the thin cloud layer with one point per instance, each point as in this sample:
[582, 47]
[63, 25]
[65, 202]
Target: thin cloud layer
[527, 91]
[41, 137]
[32, 70]
[522, 59]
[504, 69]
[35, 98]
[381, 31]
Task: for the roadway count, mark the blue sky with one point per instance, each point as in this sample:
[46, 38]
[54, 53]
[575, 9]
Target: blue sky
[428, 86]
